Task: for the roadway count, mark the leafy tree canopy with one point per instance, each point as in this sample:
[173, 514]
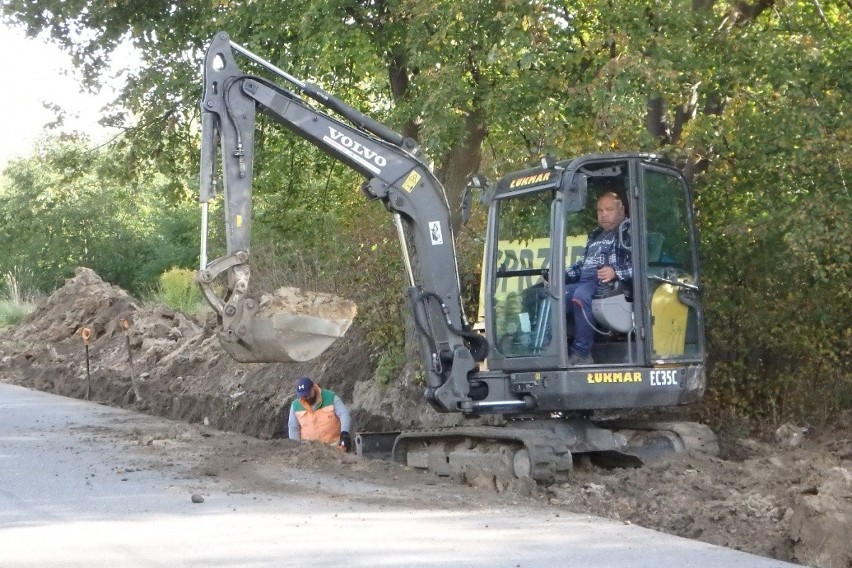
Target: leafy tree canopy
[64, 207]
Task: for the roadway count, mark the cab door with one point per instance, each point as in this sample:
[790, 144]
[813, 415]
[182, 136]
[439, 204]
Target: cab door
[672, 285]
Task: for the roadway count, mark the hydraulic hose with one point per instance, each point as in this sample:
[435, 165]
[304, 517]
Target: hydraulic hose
[478, 345]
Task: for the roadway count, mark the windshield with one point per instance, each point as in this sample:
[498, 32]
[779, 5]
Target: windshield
[520, 301]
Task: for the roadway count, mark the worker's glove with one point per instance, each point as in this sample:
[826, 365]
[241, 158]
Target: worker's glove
[345, 441]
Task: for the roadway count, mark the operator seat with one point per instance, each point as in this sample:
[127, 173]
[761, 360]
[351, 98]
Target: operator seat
[612, 306]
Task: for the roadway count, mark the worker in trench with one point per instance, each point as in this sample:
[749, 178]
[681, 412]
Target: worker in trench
[319, 415]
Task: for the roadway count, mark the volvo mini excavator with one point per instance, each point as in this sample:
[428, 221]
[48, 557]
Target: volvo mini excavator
[649, 349]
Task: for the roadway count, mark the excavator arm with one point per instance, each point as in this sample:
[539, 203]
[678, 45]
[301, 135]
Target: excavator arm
[394, 174]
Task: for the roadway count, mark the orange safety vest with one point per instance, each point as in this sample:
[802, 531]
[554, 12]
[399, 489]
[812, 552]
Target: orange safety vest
[318, 422]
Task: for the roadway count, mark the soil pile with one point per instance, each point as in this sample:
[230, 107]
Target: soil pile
[296, 301]
[178, 365]
[786, 495]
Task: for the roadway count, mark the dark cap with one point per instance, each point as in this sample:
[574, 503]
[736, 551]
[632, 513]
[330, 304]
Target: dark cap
[304, 387]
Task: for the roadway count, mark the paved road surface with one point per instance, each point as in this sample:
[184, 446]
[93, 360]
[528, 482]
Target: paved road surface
[63, 502]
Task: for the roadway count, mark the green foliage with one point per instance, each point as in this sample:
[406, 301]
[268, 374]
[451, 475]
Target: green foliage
[179, 291]
[66, 207]
[18, 284]
[774, 209]
[390, 363]
[779, 322]
[18, 298]
[11, 313]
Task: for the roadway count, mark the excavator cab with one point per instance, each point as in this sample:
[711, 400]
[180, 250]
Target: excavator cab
[645, 328]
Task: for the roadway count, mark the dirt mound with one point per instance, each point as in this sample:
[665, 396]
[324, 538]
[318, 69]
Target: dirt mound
[821, 526]
[178, 364]
[787, 495]
[779, 501]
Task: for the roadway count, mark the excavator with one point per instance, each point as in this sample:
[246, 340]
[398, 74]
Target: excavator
[512, 370]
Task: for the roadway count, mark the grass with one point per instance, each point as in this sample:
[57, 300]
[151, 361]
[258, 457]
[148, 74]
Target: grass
[16, 303]
[11, 313]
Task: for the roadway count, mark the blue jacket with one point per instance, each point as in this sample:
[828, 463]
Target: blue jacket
[618, 257]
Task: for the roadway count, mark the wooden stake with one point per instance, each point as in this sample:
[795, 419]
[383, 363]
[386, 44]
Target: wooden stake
[86, 333]
[126, 326]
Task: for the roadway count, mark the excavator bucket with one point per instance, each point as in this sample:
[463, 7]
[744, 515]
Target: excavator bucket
[289, 325]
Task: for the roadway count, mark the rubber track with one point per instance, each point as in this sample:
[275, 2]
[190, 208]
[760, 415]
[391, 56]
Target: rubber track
[550, 457]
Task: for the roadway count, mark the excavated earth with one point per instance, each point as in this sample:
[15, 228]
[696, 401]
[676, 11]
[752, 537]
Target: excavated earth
[785, 493]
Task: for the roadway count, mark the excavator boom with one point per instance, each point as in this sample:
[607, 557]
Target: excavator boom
[394, 174]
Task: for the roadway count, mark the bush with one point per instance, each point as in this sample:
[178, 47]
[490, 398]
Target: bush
[18, 298]
[12, 313]
[777, 312]
[178, 291]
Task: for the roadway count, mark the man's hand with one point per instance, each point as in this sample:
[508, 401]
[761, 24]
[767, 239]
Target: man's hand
[606, 274]
[345, 444]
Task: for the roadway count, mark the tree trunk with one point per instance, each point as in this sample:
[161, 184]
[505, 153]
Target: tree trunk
[461, 162]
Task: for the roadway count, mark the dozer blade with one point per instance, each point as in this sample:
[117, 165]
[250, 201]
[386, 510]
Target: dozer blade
[290, 325]
[643, 442]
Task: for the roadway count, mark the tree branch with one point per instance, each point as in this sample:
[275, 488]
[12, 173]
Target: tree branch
[747, 12]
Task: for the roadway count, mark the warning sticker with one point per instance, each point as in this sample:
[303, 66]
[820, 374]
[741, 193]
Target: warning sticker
[435, 233]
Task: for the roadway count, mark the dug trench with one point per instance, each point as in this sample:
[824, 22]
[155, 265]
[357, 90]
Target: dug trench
[784, 493]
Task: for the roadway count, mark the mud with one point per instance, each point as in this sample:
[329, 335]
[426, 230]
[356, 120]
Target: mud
[785, 493]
